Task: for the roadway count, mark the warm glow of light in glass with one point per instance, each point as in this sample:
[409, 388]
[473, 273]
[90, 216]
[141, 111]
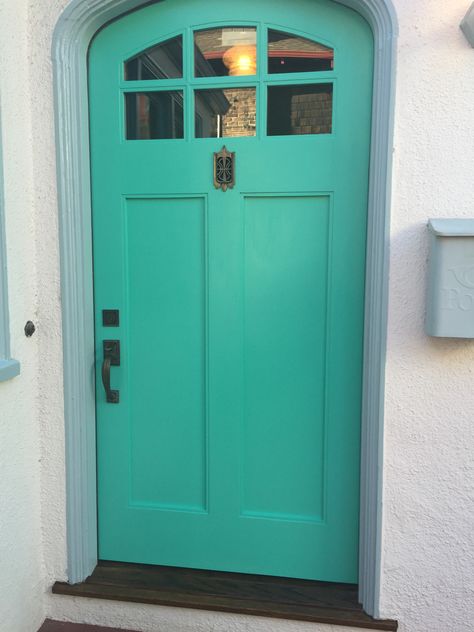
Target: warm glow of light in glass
[241, 60]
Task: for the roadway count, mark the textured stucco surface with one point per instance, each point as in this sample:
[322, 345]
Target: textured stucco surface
[21, 573]
[428, 536]
[164, 619]
[428, 541]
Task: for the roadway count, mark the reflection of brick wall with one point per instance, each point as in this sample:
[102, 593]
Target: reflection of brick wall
[241, 116]
[311, 113]
[296, 110]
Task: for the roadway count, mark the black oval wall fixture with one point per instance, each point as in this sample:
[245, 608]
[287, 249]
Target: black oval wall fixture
[29, 329]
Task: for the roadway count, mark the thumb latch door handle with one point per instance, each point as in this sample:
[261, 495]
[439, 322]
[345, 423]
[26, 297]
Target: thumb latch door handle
[111, 358]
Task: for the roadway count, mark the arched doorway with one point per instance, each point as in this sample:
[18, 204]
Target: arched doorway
[75, 29]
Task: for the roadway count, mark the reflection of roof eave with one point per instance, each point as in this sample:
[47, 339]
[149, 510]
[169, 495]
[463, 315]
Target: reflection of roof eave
[323, 54]
[157, 70]
[203, 69]
[215, 100]
[215, 54]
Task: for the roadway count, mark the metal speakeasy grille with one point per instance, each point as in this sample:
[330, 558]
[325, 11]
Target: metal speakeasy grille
[224, 169]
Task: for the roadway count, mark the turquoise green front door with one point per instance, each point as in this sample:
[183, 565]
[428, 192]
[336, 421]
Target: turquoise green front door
[233, 283]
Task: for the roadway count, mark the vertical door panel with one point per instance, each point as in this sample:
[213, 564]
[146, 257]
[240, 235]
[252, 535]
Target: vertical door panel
[166, 304]
[285, 316]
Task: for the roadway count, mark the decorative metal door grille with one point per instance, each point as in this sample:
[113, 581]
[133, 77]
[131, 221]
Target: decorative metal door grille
[224, 169]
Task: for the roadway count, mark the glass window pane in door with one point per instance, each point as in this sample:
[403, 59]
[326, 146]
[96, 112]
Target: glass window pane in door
[163, 61]
[230, 51]
[223, 113]
[291, 53]
[300, 109]
[154, 115]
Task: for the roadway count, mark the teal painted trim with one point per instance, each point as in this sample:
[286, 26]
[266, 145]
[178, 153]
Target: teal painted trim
[75, 29]
[8, 368]
[467, 25]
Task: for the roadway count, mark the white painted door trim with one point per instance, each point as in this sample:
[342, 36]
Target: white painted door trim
[74, 31]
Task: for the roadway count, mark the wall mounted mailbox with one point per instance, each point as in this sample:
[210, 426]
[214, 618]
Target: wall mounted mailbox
[450, 310]
[467, 25]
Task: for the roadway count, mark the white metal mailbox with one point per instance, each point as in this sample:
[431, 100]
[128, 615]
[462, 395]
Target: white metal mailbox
[467, 25]
[450, 310]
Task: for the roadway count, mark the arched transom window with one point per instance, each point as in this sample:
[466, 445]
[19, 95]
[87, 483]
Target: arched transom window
[232, 81]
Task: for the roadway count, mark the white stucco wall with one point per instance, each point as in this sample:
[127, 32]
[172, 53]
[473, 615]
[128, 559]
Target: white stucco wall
[428, 535]
[21, 572]
[428, 544]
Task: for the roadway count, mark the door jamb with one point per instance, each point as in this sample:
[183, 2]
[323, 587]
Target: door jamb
[77, 25]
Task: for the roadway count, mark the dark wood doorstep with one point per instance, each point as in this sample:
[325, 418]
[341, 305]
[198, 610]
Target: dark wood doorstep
[297, 599]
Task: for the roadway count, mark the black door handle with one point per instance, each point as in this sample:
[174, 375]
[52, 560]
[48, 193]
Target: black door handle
[111, 358]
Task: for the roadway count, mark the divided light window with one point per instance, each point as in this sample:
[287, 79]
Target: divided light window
[291, 53]
[299, 109]
[163, 61]
[230, 51]
[225, 113]
[220, 109]
[154, 115]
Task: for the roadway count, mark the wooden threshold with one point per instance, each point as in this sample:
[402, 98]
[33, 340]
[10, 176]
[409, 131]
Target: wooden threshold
[283, 598]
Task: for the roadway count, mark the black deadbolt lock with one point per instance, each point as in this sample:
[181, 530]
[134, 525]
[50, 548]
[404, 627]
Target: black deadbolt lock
[110, 318]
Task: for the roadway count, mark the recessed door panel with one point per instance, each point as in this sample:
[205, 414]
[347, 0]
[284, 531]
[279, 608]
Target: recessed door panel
[285, 320]
[166, 292]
